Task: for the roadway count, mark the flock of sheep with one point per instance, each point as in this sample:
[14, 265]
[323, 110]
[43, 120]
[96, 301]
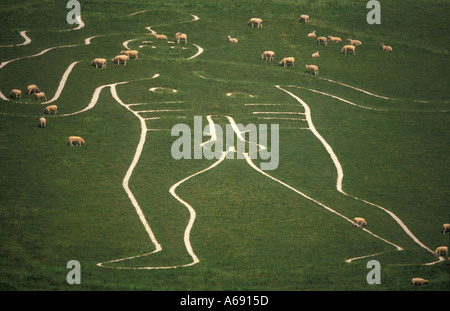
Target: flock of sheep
[290, 61]
[33, 89]
[123, 57]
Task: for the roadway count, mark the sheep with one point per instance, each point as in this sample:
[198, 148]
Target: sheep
[16, 94]
[445, 228]
[312, 34]
[160, 36]
[130, 53]
[232, 40]
[120, 58]
[40, 95]
[42, 123]
[304, 18]
[287, 60]
[315, 55]
[50, 109]
[418, 281]
[322, 39]
[313, 69]
[440, 250]
[268, 55]
[354, 42]
[99, 62]
[32, 89]
[180, 36]
[256, 21]
[76, 140]
[347, 48]
[386, 48]
[334, 39]
[359, 222]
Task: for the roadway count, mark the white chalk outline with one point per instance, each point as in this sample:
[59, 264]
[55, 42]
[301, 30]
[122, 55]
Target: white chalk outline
[138, 12]
[62, 83]
[340, 173]
[80, 24]
[24, 35]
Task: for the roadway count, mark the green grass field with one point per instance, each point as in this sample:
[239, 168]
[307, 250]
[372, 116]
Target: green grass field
[251, 232]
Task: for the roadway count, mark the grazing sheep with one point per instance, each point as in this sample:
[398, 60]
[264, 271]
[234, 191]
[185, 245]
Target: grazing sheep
[256, 21]
[418, 281]
[322, 39]
[50, 109]
[42, 123]
[354, 42]
[32, 89]
[287, 60]
[120, 58]
[445, 228]
[315, 55]
[232, 40]
[268, 55]
[99, 62]
[359, 222]
[160, 36]
[347, 48]
[312, 34]
[40, 95]
[386, 48]
[76, 140]
[313, 69]
[180, 36]
[304, 18]
[130, 53]
[334, 39]
[440, 250]
[16, 94]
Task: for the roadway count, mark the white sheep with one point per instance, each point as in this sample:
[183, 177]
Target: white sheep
[386, 48]
[50, 109]
[440, 250]
[40, 95]
[76, 140]
[315, 55]
[313, 69]
[42, 122]
[232, 40]
[32, 89]
[16, 94]
[354, 42]
[181, 36]
[99, 62]
[120, 58]
[285, 61]
[322, 39]
[445, 228]
[334, 39]
[304, 18]
[256, 21]
[130, 53]
[312, 34]
[348, 48]
[359, 222]
[268, 55]
[160, 36]
[418, 281]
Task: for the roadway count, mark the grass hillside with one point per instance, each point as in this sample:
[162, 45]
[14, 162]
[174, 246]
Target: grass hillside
[383, 119]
